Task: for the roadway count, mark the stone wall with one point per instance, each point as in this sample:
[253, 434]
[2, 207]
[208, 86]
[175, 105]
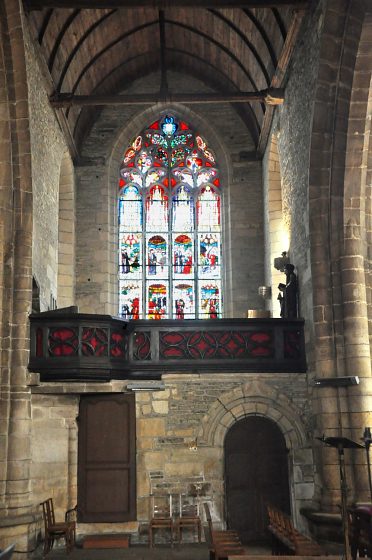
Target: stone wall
[293, 129]
[276, 234]
[180, 438]
[54, 449]
[48, 149]
[66, 237]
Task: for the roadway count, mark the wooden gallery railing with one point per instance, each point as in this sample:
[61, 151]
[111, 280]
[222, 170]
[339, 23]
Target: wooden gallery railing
[76, 346]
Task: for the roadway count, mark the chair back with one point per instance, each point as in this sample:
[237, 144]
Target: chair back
[161, 506]
[48, 513]
[208, 516]
[208, 529]
[6, 554]
[187, 506]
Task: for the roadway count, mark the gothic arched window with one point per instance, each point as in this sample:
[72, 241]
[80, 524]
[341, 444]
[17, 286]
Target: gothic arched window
[169, 226]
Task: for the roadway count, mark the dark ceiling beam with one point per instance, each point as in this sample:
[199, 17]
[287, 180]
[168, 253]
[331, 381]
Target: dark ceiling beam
[77, 46]
[260, 28]
[270, 96]
[197, 67]
[58, 40]
[44, 26]
[163, 63]
[96, 57]
[245, 40]
[113, 43]
[280, 23]
[220, 46]
[162, 4]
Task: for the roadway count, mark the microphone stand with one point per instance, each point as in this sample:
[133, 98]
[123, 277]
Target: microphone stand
[342, 443]
[367, 438]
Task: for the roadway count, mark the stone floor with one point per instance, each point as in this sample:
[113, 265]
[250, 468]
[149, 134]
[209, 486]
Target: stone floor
[140, 552]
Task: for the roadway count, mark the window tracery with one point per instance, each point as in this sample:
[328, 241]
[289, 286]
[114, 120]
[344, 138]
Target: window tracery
[169, 225]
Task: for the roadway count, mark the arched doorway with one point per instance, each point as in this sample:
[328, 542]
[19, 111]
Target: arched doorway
[256, 472]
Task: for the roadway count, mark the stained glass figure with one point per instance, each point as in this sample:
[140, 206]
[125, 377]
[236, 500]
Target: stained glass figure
[184, 176]
[157, 261]
[157, 300]
[205, 176]
[184, 301]
[209, 300]
[130, 255]
[130, 300]
[209, 255]
[154, 176]
[169, 260]
[131, 176]
[194, 162]
[183, 256]
[144, 162]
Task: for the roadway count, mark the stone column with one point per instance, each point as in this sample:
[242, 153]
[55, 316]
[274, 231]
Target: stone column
[332, 247]
[354, 263]
[16, 271]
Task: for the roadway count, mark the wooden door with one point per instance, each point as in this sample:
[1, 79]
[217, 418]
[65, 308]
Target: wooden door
[256, 472]
[106, 458]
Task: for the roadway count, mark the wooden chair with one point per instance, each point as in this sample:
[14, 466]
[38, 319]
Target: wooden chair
[160, 515]
[57, 530]
[286, 538]
[189, 517]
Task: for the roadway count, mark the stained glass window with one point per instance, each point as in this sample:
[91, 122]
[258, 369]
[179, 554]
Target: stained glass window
[170, 254]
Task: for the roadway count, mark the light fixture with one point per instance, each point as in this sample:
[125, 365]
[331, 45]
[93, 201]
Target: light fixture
[146, 386]
[264, 292]
[280, 262]
[336, 381]
[193, 445]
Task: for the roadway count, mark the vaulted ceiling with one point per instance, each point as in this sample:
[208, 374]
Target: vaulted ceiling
[92, 50]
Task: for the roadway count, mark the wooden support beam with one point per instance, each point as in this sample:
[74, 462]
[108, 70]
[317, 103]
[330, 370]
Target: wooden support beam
[162, 4]
[279, 75]
[270, 96]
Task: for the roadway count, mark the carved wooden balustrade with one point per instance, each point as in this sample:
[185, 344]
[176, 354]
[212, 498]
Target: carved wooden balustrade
[77, 346]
